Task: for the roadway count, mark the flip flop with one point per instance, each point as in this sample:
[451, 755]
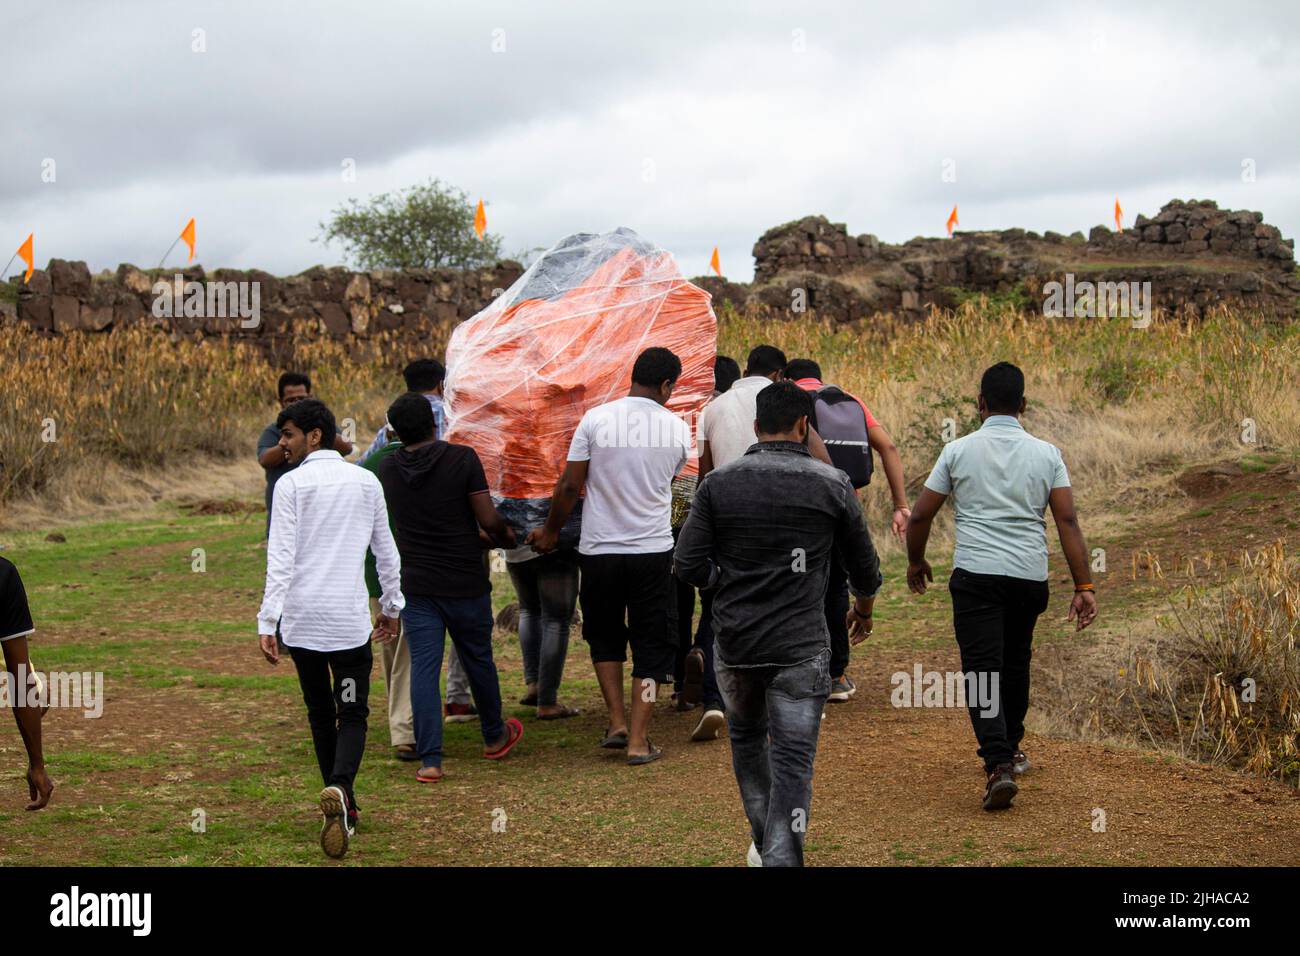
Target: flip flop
[639, 759]
[616, 741]
[405, 752]
[567, 712]
[419, 775]
[529, 700]
[516, 732]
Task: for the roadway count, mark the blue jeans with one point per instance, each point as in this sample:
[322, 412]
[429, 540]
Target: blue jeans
[547, 588]
[711, 697]
[774, 715]
[425, 623]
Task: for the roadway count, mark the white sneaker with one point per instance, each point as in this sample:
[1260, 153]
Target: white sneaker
[753, 857]
[336, 830]
[710, 725]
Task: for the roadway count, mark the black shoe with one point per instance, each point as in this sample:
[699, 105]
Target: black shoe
[693, 683]
[1001, 788]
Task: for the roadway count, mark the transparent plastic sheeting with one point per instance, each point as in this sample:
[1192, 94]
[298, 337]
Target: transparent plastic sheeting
[561, 340]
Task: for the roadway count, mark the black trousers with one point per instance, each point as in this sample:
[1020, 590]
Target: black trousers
[837, 612]
[337, 709]
[994, 617]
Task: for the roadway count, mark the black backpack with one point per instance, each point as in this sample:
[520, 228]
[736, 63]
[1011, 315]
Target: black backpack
[840, 421]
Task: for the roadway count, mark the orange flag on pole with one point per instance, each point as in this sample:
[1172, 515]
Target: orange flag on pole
[187, 234]
[714, 264]
[1119, 216]
[480, 220]
[952, 221]
[25, 253]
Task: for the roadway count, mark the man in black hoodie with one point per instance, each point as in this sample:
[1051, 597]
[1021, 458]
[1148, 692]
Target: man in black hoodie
[438, 497]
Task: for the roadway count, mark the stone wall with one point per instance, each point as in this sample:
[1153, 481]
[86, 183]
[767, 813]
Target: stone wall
[1194, 254]
[320, 302]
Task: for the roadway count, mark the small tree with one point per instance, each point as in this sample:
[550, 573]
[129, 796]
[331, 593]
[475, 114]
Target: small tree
[423, 227]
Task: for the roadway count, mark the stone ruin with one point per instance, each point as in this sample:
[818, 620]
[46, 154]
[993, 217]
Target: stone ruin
[1195, 255]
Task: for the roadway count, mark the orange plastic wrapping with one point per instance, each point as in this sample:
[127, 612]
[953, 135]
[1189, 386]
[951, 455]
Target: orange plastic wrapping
[563, 339]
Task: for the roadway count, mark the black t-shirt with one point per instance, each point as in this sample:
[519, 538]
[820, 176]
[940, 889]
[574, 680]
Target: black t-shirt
[428, 490]
[15, 615]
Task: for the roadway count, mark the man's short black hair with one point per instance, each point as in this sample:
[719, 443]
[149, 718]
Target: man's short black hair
[1003, 388]
[764, 360]
[411, 417]
[725, 372]
[292, 378]
[424, 375]
[802, 368]
[780, 405]
[655, 366]
[310, 413]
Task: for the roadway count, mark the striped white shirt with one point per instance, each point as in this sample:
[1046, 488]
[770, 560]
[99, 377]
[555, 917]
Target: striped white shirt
[324, 515]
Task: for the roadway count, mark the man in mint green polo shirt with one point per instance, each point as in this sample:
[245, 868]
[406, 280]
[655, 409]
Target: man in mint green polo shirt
[1001, 480]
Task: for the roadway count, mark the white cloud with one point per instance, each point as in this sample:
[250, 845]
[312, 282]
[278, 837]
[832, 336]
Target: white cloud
[1048, 115]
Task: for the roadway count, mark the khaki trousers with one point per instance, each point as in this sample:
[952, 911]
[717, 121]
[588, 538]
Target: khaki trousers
[395, 659]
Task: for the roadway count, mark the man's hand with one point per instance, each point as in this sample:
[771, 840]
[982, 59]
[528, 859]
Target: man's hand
[1083, 609]
[917, 574]
[900, 522]
[386, 629]
[860, 624]
[270, 650]
[542, 541]
[509, 540]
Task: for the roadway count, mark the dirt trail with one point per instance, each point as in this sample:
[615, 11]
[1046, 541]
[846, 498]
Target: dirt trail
[893, 786]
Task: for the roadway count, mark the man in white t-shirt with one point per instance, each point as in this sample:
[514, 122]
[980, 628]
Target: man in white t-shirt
[626, 453]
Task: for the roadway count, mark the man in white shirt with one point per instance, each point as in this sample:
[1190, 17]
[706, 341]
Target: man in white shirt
[626, 453]
[325, 513]
[1001, 480]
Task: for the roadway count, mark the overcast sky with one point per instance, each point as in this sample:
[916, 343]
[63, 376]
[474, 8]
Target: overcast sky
[694, 123]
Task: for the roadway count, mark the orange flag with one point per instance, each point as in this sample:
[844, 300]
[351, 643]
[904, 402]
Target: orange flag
[714, 264]
[952, 220]
[187, 234]
[1119, 216]
[25, 253]
[480, 220]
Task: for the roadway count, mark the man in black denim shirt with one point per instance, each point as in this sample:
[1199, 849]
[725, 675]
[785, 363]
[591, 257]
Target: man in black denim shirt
[761, 530]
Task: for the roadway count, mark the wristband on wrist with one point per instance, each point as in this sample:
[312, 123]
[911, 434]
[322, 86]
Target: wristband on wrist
[1084, 587]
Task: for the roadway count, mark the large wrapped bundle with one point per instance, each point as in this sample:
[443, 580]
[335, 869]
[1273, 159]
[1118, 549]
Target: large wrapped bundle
[561, 340]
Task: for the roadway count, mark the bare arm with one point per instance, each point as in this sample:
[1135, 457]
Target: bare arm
[273, 456]
[490, 520]
[918, 533]
[893, 465]
[1083, 607]
[568, 489]
[706, 459]
[817, 447]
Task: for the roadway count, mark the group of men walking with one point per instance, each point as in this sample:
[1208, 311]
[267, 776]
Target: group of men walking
[773, 538]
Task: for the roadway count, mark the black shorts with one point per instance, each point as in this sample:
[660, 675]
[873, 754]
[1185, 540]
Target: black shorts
[625, 601]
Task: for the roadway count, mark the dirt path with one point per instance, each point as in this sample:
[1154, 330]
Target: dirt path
[197, 721]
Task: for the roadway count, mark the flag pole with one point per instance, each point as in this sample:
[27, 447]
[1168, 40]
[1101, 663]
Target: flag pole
[168, 252]
[8, 264]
